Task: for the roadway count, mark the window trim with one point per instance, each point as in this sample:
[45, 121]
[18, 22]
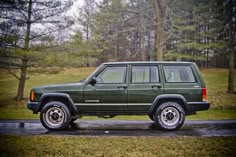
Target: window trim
[124, 79]
[195, 80]
[149, 67]
[158, 72]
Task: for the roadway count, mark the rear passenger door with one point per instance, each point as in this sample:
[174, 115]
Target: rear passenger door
[144, 86]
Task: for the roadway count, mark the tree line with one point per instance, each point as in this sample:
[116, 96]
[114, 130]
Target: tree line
[39, 33]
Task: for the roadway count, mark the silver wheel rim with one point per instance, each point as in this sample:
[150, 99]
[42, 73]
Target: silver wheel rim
[170, 116]
[54, 116]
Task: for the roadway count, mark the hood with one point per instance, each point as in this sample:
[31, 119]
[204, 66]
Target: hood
[59, 87]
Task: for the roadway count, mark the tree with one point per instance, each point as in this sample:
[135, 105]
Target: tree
[30, 22]
[87, 22]
[136, 29]
[160, 17]
[86, 17]
[84, 48]
[230, 38]
[196, 31]
[127, 27]
[108, 21]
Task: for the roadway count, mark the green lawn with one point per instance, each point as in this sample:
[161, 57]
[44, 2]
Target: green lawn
[24, 146]
[223, 105]
[216, 82]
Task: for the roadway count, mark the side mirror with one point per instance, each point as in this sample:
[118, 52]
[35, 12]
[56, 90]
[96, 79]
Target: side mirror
[93, 81]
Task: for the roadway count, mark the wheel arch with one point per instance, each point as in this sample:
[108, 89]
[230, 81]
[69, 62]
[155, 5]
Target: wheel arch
[62, 97]
[169, 97]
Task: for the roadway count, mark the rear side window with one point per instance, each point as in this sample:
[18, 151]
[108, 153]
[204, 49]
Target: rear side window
[145, 74]
[178, 74]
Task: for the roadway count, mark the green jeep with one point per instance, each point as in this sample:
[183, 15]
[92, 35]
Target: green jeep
[165, 91]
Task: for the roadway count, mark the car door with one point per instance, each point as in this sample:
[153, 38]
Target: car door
[143, 88]
[109, 93]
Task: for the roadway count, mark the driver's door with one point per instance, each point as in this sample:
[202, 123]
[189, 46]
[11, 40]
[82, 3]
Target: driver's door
[109, 93]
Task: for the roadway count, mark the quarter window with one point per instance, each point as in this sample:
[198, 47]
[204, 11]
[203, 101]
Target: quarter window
[112, 75]
[145, 74]
[178, 74]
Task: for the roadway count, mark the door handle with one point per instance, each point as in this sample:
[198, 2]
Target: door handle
[156, 86]
[122, 86]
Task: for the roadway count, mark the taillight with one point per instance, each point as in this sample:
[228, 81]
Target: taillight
[204, 94]
[32, 96]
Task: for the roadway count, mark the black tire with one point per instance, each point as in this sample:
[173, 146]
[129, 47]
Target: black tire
[169, 116]
[55, 115]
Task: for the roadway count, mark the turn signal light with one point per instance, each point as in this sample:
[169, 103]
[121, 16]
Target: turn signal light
[32, 95]
[204, 94]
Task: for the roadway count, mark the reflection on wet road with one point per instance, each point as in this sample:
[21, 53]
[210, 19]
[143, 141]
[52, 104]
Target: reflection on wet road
[121, 128]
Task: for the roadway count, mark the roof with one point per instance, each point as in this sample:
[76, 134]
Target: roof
[148, 62]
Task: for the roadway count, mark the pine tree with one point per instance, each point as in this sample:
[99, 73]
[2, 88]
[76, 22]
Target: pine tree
[24, 25]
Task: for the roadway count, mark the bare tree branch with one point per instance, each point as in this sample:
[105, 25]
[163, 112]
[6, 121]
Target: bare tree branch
[12, 73]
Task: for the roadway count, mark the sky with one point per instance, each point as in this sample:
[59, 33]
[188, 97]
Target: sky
[77, 3]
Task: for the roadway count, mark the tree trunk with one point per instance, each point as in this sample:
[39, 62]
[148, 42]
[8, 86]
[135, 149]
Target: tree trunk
[116, 45]
[160, 38]
[143, 52]
[231, 46]
[149, 47]
[231, 71]
[87, 38]
[23, 69]
[160, 13]
[21, 85]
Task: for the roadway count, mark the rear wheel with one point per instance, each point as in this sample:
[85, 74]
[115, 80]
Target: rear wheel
[55, 115]
[169, 116]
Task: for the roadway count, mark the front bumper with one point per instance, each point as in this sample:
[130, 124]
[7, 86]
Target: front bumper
[198, 106]
[34, 106]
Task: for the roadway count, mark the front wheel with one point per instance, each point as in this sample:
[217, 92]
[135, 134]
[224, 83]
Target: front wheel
[169, 116]
[55, 115]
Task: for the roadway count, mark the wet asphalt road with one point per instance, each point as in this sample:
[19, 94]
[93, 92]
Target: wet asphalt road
[120, 128]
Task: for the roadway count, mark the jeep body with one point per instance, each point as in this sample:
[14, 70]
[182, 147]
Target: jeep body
[165, 91]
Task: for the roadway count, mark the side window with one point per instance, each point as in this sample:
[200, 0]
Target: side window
[112, 75]
[178, 74]
[145, 74]
[140, 74]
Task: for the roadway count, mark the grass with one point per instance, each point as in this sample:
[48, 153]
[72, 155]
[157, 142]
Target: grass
[223, 105]
[216, 81]
[24, 146]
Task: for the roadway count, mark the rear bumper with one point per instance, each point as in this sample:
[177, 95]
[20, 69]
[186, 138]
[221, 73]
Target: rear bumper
[198, 106]
[34, 106]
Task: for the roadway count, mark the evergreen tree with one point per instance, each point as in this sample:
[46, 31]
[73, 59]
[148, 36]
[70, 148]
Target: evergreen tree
[25, 24]
[196, 31]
